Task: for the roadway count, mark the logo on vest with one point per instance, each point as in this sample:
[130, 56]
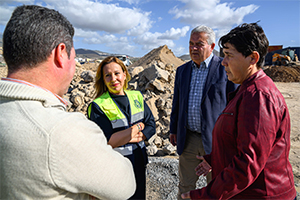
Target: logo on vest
[137, 103]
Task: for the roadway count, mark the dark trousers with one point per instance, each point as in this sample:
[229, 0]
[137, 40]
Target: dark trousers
[139, 168]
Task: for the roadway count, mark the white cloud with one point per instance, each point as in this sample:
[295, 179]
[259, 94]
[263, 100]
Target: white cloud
[115, 44]
[151, 40]
[143, 26]
[126, 1]
[131, 1]
[180, 51]
[92, 37]
[99, 16]
[92, 18]
[175, 34]
[121, 46]
[101, 39]
[85, 34]
[212, 13]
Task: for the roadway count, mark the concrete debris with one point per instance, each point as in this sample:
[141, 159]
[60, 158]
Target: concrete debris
[156, 83]
[88, 76]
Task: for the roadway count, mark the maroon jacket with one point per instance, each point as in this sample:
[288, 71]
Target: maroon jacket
[251, 143]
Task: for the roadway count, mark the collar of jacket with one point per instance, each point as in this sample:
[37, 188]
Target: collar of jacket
[15, 90]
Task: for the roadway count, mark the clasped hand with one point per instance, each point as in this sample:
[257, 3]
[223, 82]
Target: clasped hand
[136, 134]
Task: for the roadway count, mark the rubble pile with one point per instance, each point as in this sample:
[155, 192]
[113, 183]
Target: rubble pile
[161, 54]
[154, 76]
[81, 91]
[283, 73]
[155, 81]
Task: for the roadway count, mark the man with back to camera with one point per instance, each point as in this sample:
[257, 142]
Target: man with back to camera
[46, 152]
[200, 92]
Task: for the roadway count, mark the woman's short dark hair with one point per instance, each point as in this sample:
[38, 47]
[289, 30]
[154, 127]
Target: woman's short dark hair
[247, 38]
[32, 33]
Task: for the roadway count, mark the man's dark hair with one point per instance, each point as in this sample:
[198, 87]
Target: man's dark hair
[247, 38]
[32, 33]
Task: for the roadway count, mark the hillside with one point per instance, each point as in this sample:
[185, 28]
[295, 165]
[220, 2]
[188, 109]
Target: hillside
[87, 53]
[95, 54]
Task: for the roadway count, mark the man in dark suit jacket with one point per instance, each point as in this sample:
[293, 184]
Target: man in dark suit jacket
[200, 95]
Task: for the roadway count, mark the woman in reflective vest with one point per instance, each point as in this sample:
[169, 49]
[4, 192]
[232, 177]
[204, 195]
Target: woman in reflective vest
[124, 117]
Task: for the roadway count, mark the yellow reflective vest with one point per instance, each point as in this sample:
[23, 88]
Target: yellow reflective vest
[117, 117]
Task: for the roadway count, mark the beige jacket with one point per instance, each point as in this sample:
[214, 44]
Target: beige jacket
[48, 153]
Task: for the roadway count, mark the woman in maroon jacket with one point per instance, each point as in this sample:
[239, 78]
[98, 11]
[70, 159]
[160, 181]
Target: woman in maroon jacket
[251, 138]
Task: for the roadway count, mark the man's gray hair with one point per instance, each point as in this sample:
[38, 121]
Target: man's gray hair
[210, 33]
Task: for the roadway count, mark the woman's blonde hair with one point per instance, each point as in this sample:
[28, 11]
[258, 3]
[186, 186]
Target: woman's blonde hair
[99, 84]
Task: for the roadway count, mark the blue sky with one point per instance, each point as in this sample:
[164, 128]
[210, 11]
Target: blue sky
[135, 27]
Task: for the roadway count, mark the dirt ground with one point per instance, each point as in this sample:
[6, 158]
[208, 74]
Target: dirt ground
[287, 80]
[291, 93]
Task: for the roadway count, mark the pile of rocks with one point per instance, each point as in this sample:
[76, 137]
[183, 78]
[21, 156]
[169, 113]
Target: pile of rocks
[155, 81]
[81, 91]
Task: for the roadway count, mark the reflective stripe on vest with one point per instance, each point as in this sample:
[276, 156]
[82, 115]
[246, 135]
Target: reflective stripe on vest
[127, 149]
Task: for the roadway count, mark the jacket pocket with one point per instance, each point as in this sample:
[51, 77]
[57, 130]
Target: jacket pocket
[226, 126]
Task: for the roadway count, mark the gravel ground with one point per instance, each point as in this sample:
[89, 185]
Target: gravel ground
[162, 178]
